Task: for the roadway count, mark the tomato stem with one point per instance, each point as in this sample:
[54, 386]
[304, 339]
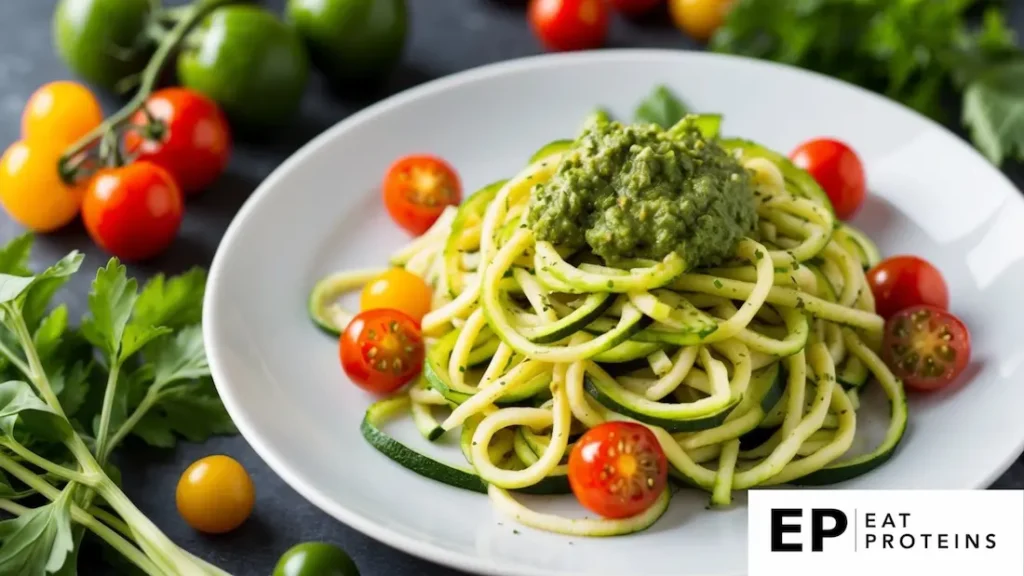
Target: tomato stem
[191, 15]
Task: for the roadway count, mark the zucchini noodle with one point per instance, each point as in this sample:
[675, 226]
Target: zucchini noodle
[749, 374]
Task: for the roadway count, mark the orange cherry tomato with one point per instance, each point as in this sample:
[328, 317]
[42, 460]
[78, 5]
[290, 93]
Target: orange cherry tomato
[926, 347]
[133, 212]
[398, 289]
[62, 110]
[381, 350]
[901, 282]
[838, 170]
[565, 25]
[215, 495]
[699, 19]
[417, 189]
[618, 469]
[194, 142]
[31, 190]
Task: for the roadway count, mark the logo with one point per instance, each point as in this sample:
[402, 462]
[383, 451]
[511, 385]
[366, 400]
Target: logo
[877, 533]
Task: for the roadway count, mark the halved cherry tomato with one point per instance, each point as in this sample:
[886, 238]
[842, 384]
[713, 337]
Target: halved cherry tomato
[192, 139]
[133, 212]
[926, 347]
[215, 494]
[61, 110]
[381, 350]
[618, 469]
[634, 7]
[398, 289]
[900, 282]
[699, 19]
[838, 170]
[31, 190]
[563, 25]
[417, 189]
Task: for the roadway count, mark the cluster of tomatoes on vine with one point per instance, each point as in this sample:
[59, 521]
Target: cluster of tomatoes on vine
[127, 177]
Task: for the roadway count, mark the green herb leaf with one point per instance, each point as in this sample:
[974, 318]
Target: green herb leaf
[11, 286]
[14, 255]
[193, 411]
[137, 336]
[661, 107]
[71, 385]
[173, 302]
[19, 402]
[111, 301]
[994, 112]
[182, 357]
[48, 335]
[38, 541]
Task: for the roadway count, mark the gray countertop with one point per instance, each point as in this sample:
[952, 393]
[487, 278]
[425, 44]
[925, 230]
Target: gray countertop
[446, 36]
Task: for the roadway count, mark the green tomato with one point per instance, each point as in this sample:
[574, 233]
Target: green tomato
[249, 62]
[315, 559]
[351, 41]
[102, 40]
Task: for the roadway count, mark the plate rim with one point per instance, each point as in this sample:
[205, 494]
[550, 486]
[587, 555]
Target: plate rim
[249, 431]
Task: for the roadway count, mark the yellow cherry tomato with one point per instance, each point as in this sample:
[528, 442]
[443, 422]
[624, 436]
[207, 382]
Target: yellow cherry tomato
[398, 289]
[31, 190]
[699, 18]
[61, 110]
[215, 495]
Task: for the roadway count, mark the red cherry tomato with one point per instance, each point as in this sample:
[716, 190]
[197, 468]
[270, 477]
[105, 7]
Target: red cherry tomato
[133, 212]
[838, 171]
[563, 25]
[634, 7]
[192, 139]
[381, 350]
[417, 189]
[904, 281]
[618, 469]
[926, 347]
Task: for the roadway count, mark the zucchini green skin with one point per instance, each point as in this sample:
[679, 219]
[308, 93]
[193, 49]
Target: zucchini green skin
[557, 146]
[699, 423]
[843, 471]
[628, 351]
[475, 205]
[436, 375]
[799, 180]
[426, 466]
[592, 309]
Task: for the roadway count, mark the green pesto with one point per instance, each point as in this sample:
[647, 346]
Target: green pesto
[638, 191]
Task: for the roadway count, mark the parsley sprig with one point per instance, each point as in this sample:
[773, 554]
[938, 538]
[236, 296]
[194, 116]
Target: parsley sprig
[135, 366]
[913, 51]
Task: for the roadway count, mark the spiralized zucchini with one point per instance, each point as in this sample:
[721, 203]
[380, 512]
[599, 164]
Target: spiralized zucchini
[749, 374]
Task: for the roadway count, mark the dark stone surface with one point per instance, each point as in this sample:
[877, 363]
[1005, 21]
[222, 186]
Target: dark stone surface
[446, 36]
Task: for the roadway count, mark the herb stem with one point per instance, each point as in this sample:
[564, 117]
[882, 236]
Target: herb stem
[187, 20]
[151, 398]
[55, 469]
[123, 546]
[103, 433]
[36, 373]
[13, 358]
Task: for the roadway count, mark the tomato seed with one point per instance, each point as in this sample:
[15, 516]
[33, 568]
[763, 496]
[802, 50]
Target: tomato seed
[372, 353]
[946, 352]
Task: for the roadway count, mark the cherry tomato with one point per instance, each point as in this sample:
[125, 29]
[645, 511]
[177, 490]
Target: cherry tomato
[928, 348]
[61, 110]
[838, 170]
[133, 212]
[398, 289]
[699, 19]
[315, 559]
[618, 469]
[634, 7]
[32, 191]
[215, 495]
[192, 140]
[381, 350]
[564, 25]
[900, 282]
[417, 189]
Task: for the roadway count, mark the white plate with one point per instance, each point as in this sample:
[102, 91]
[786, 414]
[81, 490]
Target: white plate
[932, 195]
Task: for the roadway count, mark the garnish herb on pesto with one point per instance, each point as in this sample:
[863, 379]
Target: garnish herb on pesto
[635, 191]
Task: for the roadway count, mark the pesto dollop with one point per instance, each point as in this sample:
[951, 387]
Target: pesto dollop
[638, 191]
